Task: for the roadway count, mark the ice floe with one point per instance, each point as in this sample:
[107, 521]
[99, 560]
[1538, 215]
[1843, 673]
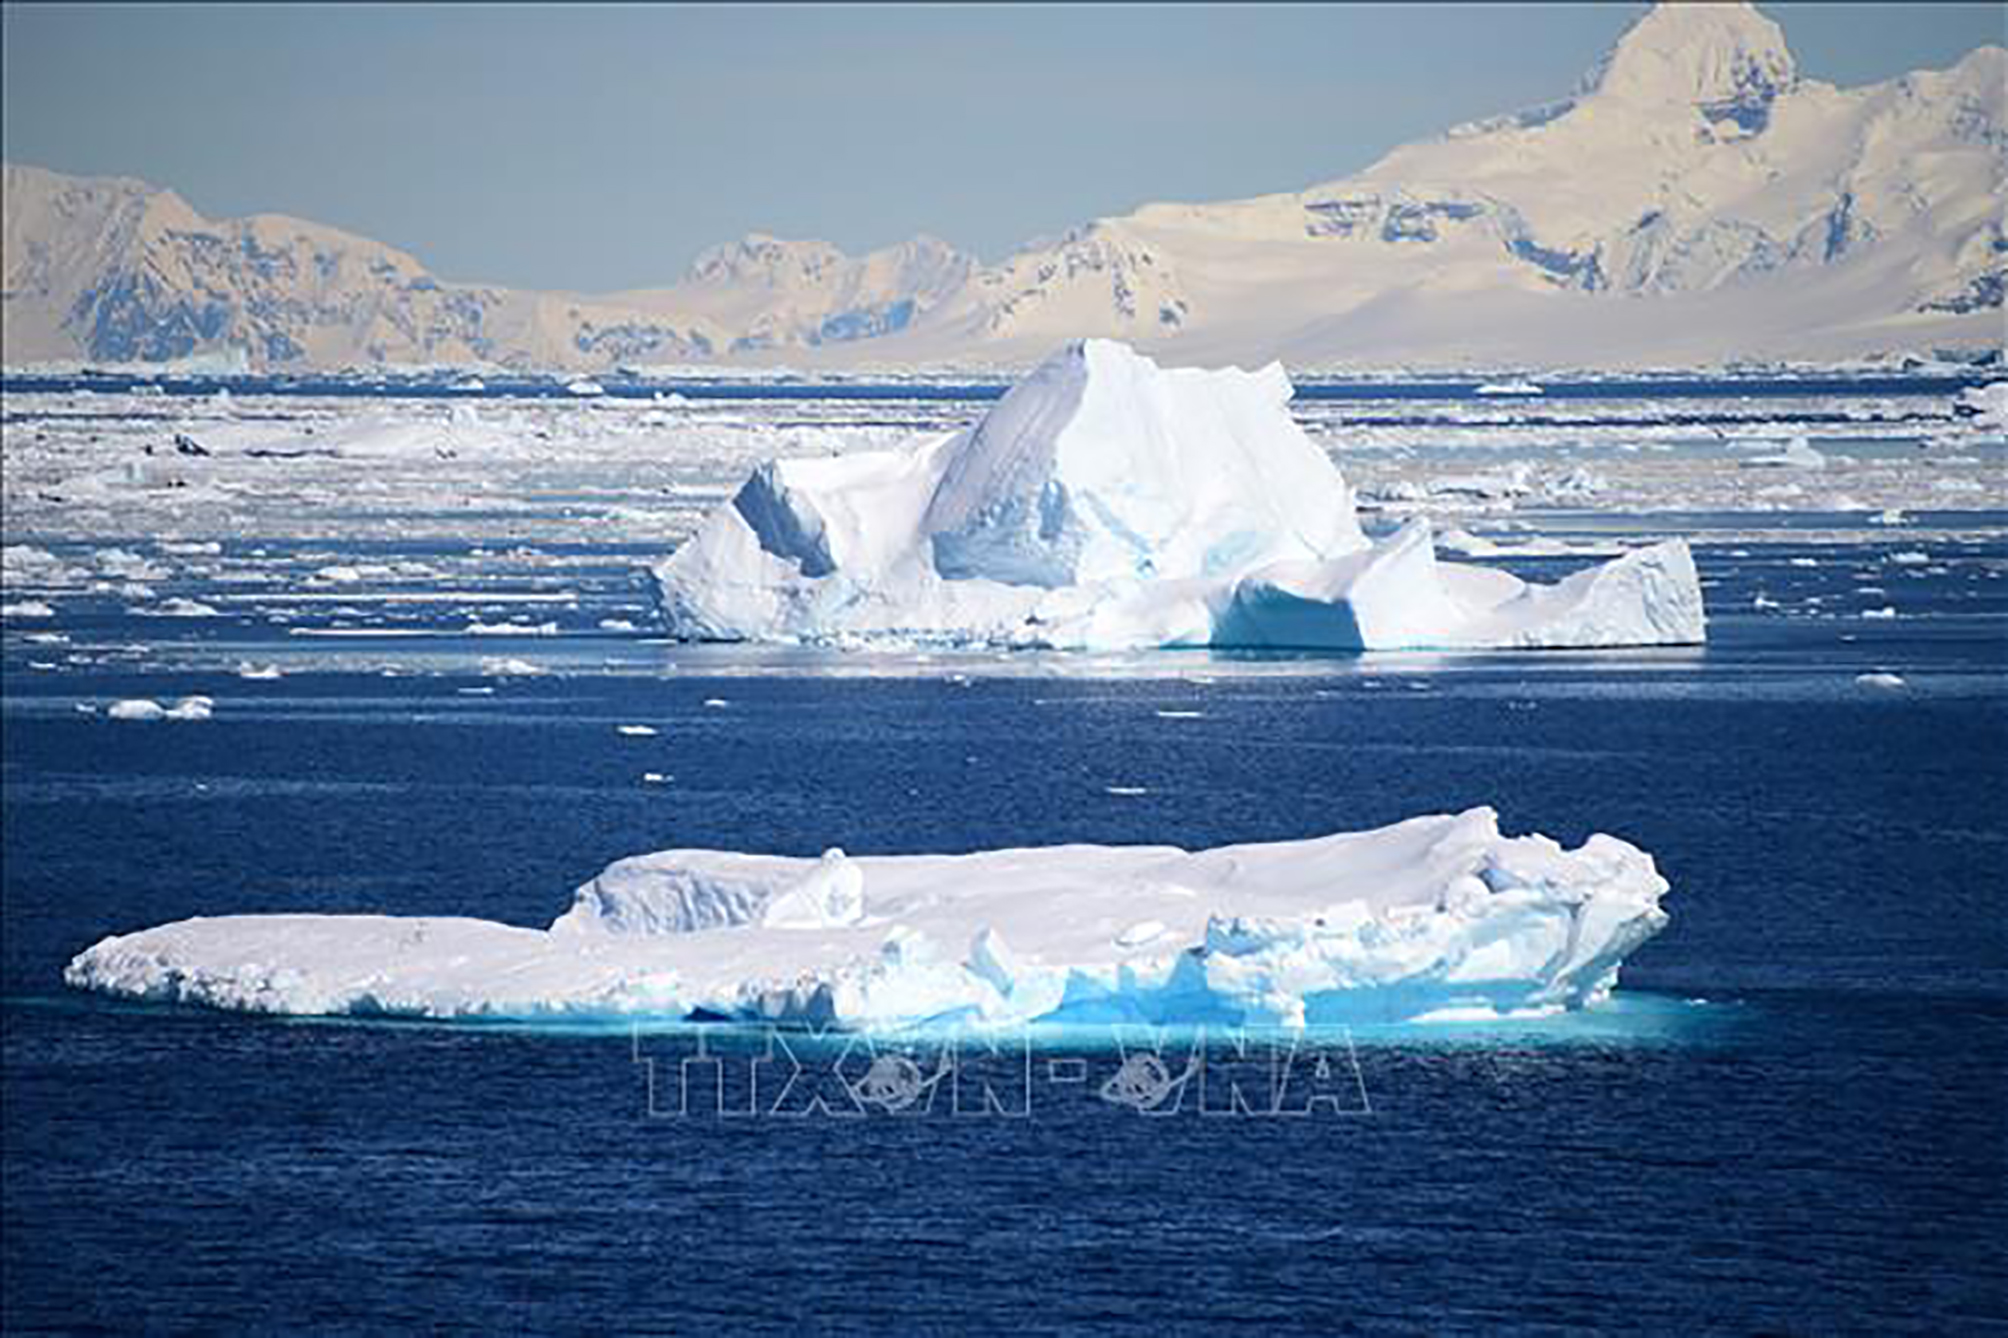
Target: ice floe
[510, 667]
[1796, 454]
[1986, 405]
[144, 708]
[1432, 914]
[181, 608]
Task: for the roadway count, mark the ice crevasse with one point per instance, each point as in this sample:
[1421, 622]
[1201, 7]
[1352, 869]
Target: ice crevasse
[1436, 917]
[1107, 503]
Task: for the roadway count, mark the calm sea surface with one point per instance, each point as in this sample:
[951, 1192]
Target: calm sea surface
[1792, 1119]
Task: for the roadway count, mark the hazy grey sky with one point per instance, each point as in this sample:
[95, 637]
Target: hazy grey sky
[601, 147]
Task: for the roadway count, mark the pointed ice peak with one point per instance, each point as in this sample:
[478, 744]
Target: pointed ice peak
[1101, 465]
[1696, 54]
[924, 243]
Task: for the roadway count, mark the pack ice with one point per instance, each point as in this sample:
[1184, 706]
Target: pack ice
[1432, 918]
[1107, 503]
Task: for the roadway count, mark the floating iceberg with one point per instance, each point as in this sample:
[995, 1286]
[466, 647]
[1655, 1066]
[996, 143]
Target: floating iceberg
[145, 708]
[1433, 916]
[27, 608]
[1986, 405]
[1106, 503]
[1797, 453]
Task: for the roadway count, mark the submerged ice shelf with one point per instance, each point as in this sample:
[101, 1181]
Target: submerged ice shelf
[1107, 503]
[1435, 917]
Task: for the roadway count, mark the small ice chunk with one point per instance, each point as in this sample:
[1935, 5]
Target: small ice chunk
[510, 668]
[1879, 680]
[182, 608]
[478, 628]
[637, 731]
[143, 708]
[1797, 454]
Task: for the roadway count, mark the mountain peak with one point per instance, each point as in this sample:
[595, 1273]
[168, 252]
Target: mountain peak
[1724, 58]
[763, 258]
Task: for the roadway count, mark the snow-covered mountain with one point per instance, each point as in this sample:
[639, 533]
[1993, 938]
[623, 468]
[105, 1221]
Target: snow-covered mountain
[114, 270]
[762, 293]
[1695, 200]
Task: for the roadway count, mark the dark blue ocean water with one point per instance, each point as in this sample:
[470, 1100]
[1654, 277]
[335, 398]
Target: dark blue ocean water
[1793, 1121]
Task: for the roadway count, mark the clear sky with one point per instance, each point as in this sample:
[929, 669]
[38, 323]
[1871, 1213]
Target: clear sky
[600, 147]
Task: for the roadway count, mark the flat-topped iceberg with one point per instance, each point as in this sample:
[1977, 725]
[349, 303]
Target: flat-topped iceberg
[1107, 503]
[1433, 917]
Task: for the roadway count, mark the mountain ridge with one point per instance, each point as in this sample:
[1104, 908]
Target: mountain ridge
[1694, 198]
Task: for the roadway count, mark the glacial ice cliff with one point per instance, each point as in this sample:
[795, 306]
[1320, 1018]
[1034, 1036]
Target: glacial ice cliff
[1107, 503]
[1436, 917]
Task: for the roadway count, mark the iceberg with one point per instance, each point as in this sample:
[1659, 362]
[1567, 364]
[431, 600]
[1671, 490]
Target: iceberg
[1797, 453]
[145, 708]
[1985, 406]
[1435, 916]
[1106, 503]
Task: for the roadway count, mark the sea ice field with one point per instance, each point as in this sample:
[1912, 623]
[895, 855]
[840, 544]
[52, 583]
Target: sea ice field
[334, 650]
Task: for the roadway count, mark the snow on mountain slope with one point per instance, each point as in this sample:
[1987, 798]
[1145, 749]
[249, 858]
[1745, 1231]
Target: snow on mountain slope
[789, 294]
[118, 271]
[1436, 916]
[1106, 503]
[1693, 163]
[1695, 199]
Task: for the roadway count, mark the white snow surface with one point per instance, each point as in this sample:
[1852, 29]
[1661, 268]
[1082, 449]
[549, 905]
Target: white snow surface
[1432, 914]
[1107, 503]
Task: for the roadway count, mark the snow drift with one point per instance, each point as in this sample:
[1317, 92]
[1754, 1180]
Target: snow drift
[1436, 916]
[1107, 503]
